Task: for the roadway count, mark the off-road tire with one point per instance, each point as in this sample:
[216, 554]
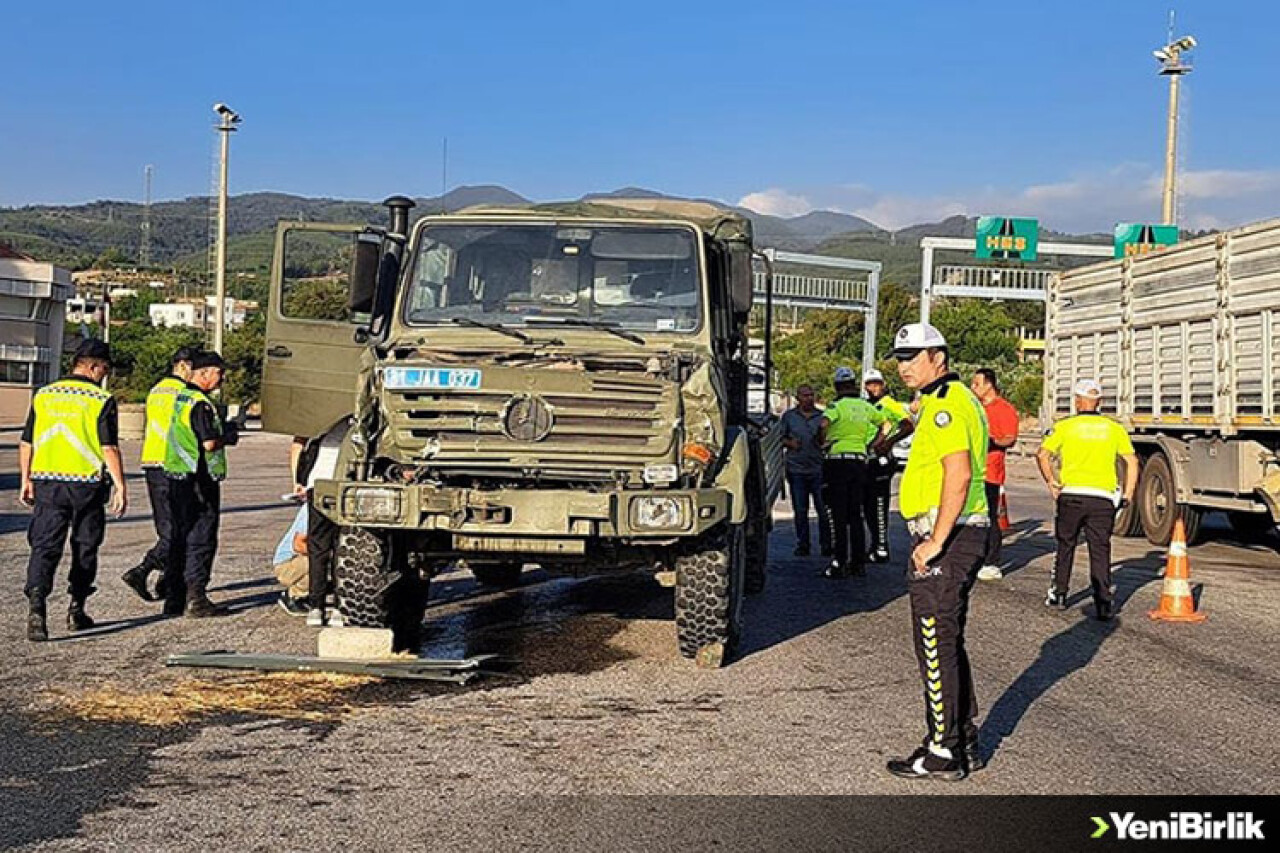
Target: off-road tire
[497, 575]
[1157, 503]
[709, 588]
[363, 565]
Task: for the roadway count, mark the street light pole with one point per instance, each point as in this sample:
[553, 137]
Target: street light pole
[1173, 67]
[226, 127]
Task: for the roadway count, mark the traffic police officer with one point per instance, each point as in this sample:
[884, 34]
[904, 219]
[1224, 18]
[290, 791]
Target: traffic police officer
[881, 466]
[196, 463]
[160, 405]
[1087, 492]
[943, 499]
[846, 430]
[70, 437]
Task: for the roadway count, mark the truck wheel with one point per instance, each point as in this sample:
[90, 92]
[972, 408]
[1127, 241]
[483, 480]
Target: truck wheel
[497, 575]
[709, 588]
[1158, 506]
[376, 588]
[1251, 525]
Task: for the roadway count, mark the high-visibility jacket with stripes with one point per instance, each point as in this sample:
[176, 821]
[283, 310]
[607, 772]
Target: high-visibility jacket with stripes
[160, 405]
[65, 441]
[182, 449]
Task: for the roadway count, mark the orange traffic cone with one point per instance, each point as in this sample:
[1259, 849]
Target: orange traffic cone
[1004, 511]
[1176, 602]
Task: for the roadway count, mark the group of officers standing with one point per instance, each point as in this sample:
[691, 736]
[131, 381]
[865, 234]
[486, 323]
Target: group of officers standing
[949, 497]
[72, 474]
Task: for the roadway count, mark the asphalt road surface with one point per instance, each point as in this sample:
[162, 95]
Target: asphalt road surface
[102, 747]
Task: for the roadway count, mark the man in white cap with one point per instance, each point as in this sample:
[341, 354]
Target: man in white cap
[943, 498]
[881, 466]
[1087, 492]
[848, 427]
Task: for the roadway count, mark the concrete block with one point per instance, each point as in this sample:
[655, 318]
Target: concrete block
[355, 643]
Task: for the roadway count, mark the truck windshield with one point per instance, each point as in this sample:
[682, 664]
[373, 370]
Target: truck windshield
[640, 278]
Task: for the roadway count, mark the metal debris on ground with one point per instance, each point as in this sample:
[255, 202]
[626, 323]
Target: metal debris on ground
[461, 671]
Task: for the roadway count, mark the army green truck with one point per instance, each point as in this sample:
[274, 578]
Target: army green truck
[559, 384]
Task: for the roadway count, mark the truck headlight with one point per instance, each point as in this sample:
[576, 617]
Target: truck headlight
[652, 512]
[371, 504]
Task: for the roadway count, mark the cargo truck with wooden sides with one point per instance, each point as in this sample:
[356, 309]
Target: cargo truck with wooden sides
[1186, 344]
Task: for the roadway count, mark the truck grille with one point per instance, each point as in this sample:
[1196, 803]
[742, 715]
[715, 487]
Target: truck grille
[601, 426]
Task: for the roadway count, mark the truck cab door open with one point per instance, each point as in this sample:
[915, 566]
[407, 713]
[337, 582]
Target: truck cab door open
[312, 357]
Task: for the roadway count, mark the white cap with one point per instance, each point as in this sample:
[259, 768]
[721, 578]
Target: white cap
[872, 375]
[1090, 388]
[844, 374]
[914, 337]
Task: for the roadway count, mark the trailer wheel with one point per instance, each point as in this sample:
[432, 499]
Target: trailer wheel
[376, 587]
[709, 588]
[1158, 506]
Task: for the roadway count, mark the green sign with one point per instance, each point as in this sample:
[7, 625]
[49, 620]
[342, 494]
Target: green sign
[1137, 239]
[1007, 239]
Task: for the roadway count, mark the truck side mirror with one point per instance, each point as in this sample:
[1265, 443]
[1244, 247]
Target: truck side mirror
[365, 259]
[741, 279]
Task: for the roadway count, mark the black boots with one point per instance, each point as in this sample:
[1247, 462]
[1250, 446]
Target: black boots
[199, 606]
[37, 627]
[136, 580]
[77, 619]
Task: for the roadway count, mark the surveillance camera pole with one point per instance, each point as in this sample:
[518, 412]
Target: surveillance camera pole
[226, 127]
[1173, 68]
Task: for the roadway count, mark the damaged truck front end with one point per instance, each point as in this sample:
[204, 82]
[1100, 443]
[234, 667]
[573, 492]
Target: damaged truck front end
[558, 385]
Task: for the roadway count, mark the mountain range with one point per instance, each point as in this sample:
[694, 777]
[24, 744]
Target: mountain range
[111, 231]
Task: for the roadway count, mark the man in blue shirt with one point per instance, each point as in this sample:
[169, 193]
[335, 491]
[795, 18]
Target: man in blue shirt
[800, 426]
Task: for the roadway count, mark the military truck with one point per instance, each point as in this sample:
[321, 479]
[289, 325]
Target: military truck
[1186, 343]
[559, 384]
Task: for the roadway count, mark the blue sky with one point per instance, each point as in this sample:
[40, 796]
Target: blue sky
[898, 112]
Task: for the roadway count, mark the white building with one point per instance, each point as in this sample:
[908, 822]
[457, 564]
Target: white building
[199, 314]
[31, 321]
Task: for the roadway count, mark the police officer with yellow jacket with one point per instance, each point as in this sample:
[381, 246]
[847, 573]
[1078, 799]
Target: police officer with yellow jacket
[70, 438]
[943, 498]
[196, 464]
[160, 405]
[848, 426]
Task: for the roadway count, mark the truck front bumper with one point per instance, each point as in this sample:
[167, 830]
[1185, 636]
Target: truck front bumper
[482, 520]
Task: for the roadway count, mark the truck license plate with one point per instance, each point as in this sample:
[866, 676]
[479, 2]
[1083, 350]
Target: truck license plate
[447, 378]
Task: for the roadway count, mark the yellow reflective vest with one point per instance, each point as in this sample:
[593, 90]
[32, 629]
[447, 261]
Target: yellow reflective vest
[160, 405]
[65, 442]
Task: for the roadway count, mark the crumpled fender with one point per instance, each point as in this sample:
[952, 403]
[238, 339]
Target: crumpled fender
[732, 476]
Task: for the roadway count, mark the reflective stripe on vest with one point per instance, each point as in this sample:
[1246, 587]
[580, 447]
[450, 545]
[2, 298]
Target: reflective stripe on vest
[65, 439]
[182, 448]
[160, 404]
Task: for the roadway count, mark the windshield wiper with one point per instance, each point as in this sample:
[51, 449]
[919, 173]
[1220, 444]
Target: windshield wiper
[602, 325]
[493, 327]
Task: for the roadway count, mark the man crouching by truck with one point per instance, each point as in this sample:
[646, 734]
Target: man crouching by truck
[1086, 491]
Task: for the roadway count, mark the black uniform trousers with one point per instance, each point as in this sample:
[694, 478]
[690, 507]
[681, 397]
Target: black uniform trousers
[322, 542]
[59, 507]
[880, 471]
[995, 535]
[844, 483]
[1095, 517]
[196, 504]
[939, 611]
[161, 515]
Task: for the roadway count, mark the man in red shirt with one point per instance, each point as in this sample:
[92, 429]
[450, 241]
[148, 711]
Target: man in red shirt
[1002, 426]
